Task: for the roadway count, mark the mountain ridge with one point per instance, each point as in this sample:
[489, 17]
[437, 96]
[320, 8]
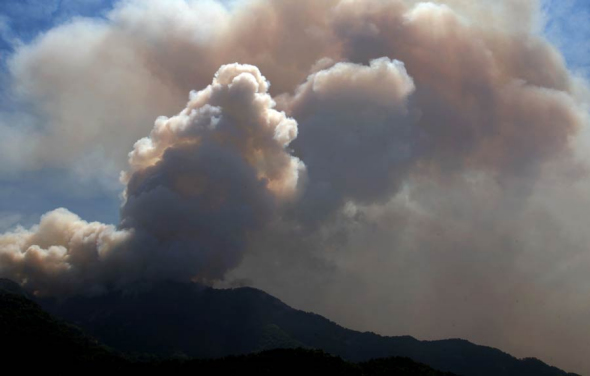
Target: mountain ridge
[34, 337]
[202, 322]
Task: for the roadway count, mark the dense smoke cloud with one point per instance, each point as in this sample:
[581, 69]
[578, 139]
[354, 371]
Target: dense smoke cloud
[415, 167]
[63, 254]
[358, 132]
[208, 177]
[196, 188]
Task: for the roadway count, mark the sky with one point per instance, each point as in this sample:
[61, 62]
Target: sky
[567, 26]
[422, 161]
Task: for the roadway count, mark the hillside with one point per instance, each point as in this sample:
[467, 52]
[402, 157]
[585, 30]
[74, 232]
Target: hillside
[33, 339]
[195, 321]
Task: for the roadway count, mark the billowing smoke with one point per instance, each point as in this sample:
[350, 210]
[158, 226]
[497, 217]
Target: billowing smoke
[207, 178]
[359, 134]
[415, 168]
[196, 189]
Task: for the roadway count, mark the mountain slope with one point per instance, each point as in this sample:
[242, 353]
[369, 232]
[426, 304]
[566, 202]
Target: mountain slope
[196, 321]
[33, 338]
[29, 333]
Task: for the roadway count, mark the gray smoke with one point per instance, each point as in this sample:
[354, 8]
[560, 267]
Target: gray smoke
[196, 189]
[416, 167]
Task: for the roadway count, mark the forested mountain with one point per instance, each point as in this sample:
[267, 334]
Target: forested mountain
[191, 320]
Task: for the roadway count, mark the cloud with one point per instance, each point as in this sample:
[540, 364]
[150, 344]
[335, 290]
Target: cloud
[417, 160]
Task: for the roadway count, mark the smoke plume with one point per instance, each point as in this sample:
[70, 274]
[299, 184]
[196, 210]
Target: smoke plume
[415, 168]
[195, 190]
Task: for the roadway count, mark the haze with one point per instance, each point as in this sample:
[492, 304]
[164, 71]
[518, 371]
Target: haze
[398, 166]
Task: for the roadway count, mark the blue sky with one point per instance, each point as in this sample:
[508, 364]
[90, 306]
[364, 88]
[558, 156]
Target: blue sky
[21, 199]
[26, 18]
[568, 26]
